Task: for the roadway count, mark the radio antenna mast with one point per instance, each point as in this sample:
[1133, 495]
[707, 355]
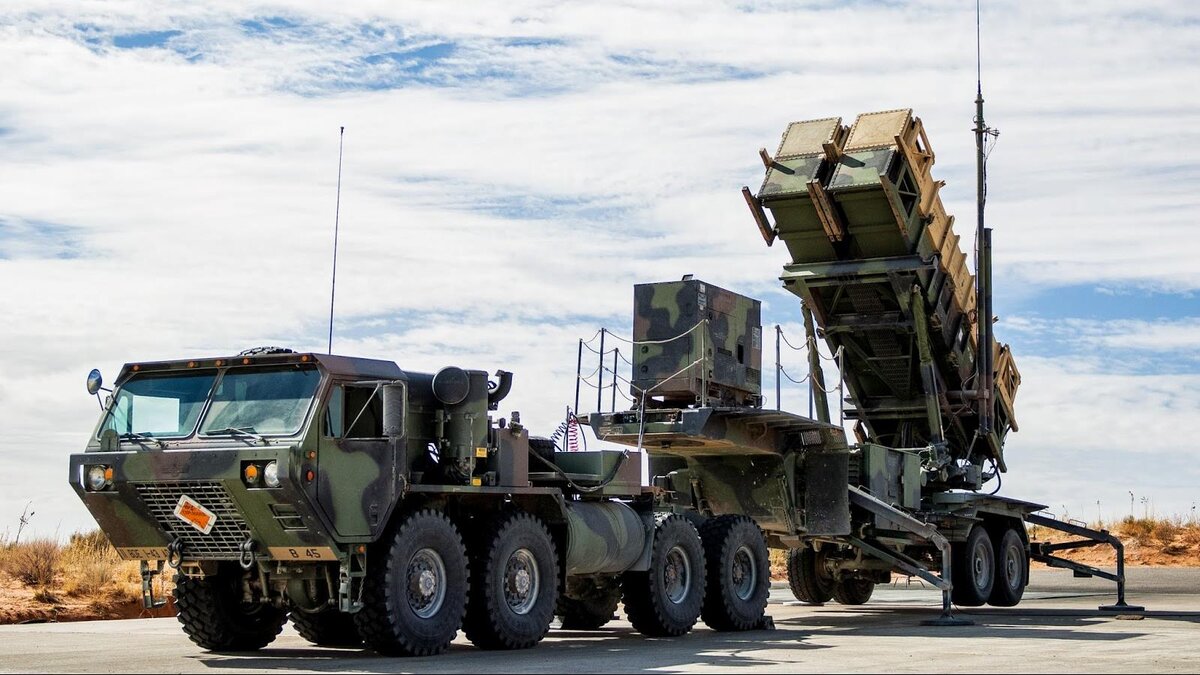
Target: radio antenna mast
[337, 210]
[983, 249]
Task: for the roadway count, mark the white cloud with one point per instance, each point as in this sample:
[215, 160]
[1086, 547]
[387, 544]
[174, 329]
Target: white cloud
[501, 204]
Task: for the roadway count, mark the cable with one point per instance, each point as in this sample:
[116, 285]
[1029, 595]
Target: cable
[580, 488]
[659, 342]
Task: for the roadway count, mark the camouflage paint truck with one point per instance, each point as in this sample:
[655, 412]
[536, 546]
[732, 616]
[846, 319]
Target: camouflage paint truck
[883, 283]
[375, 505]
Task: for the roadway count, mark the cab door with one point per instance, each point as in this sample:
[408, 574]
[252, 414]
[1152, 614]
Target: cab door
[357, 471]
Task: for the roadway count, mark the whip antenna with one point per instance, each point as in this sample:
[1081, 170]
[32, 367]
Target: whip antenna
[983, 248]
[337, 210]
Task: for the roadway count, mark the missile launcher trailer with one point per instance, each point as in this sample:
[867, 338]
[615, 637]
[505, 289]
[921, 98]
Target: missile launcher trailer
[883, 281]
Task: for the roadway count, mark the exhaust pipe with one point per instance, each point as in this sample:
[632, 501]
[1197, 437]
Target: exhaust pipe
[498, 390]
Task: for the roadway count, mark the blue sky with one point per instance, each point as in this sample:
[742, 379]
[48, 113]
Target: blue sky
[167, 187]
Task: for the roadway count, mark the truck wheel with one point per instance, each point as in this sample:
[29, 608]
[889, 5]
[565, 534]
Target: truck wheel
[666, 600]
[738, 573]
[415, 590]
[514, 585]
[853, 591]
[589, 606]
[807, 578]
[214, 616]
[1010, 570]
[973, 566]
[329, 628]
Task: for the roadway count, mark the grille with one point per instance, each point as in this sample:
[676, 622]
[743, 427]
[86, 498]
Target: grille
[228, 533]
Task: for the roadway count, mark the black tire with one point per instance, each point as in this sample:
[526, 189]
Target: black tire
[1011, 565]
[329, 628]
[853, 591]
[214, 616]
[808, 583]
[426, 554]
[738, 572]
[973, 569]
[588, 604]
[514, 585]
[666, 600]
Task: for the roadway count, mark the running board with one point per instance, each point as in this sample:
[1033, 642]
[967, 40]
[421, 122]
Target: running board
[1043, 552]
[923, 530]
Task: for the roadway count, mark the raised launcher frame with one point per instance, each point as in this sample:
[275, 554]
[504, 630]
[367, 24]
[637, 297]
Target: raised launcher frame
[876, 260]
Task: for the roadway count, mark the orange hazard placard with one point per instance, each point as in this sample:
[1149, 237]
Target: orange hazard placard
[193, 513]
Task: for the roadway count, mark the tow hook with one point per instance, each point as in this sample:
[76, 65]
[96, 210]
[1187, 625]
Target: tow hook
[247, 556]
[175, 553]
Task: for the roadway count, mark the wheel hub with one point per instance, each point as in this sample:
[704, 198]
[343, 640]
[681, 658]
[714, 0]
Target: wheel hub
[521, 581]
[426, 575]
[744, 573]
[677, 575]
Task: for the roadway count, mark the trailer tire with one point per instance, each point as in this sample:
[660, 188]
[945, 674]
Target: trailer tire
[1011, 563]
[738, 573]
[973, 566]
[514, 585]
[215, 618]
[665, 601]
[808, 584]
[329, 628]
[853, 591]
[415, 590]
[590, 606]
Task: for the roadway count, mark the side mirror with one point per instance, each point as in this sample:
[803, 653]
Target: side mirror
[94, 381]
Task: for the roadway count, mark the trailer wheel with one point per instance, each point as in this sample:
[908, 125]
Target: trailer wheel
[215, 617]
[666, 600]
[806, 577]
[853, 591]
[415, 590]
[514, 585]
[973, 566]
[1010, 570]
[329, 628]
[589, 606]
[738, 573]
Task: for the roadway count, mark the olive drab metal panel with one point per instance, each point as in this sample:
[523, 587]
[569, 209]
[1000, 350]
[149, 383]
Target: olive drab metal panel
[696, 343]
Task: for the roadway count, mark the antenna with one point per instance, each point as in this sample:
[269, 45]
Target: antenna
[337, 211]
[983, 248]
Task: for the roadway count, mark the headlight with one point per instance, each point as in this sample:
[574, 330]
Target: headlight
[98, 477]
[271, 474]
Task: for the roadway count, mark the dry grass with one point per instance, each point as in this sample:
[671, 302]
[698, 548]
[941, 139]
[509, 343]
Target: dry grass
[91, 567]
[34, 562]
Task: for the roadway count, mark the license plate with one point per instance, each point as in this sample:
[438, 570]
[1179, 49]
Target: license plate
[193, 513]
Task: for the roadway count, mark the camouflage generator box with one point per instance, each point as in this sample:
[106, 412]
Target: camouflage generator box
[696, 344]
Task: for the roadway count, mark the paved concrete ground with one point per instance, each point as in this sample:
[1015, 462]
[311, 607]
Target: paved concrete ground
[1055, 629]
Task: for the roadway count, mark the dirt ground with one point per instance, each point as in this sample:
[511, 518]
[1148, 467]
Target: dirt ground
[22, 604]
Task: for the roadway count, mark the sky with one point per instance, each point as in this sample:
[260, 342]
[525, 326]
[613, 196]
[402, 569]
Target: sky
[168, 178]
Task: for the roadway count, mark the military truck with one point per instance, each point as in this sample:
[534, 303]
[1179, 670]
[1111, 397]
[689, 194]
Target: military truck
[883, 283]
[375, 505]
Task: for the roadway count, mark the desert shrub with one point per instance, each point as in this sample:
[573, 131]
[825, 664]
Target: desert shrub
[34, 562]
[90, 564]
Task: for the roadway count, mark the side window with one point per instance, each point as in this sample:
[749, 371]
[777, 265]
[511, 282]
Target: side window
[353, 412]
[331, 422]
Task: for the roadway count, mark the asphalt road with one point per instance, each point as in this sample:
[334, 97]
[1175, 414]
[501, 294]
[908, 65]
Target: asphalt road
[1057, 628]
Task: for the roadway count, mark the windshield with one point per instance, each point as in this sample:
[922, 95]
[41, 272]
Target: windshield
[159, 405]
[262, 401]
